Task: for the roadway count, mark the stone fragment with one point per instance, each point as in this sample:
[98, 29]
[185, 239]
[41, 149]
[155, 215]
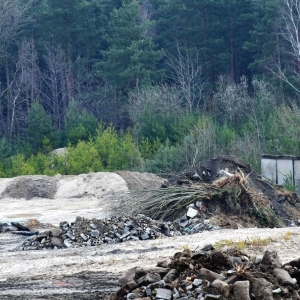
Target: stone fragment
[175, 294]
[261, 288]
[271, 259]
[124, 236]
[67, 244]
[277, 291]
[131, 296]
[164, 294]
[148, 279]
[93, 226]
[148, 292]
[191, 213]
[234, 261]
[19, 226]
[295, 295]
[208, 247]
[283, 276]
[222, 287]
[163, 263]
[197, 228]
[9, 228]
[212, 297]
[144, 236]
[210, 275]
[56, 232]
[95, 233]
[24, 233]
[257, 260]
[183, 223]
[171, 276]
[231, 279]
[128, 276]
[56, 242]
[83, 236]
[70, 236]
[197, 282]
[241, 290]
[121, 225]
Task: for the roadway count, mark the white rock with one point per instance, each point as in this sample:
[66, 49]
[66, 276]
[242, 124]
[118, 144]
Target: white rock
[191, 213]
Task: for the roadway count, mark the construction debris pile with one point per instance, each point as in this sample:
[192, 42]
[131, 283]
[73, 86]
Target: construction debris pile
[85, 232]
[222, 185]
[209, 274]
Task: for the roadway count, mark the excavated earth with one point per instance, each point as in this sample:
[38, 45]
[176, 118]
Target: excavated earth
[42, 203]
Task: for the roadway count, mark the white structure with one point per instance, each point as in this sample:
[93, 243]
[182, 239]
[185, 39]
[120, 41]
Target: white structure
[281, 168]
[269, 167]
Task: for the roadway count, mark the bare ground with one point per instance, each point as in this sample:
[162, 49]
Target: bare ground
[93, 272]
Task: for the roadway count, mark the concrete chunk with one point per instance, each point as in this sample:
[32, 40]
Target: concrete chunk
[191, 213]
[283, 276]
[241, 290]
[163, 294]
[222, 287]
[95, 233]
[210, 275]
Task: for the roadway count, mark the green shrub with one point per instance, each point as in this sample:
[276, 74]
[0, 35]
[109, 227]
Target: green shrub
[83, 158]
[166, 160]
[19, 166]
[39, 163]
[107, 145]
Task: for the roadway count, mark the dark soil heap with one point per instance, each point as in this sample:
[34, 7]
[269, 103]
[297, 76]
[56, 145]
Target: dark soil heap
[242, 195]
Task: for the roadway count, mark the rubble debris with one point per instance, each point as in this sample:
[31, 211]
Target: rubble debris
[84, 232]
[208, 274]
[224, 185]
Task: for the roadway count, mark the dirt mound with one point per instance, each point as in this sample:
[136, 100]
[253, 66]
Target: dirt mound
[223, 189]
[29, 187]
[141, 181]
[285, 204]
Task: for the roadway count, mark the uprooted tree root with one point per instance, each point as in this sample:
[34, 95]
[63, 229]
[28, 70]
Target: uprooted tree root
[232, 194]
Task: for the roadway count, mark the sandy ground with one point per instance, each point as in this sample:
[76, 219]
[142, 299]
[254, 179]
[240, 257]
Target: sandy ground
[88, 195]
[92, 273]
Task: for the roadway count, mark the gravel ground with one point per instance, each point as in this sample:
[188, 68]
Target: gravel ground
[92, 273]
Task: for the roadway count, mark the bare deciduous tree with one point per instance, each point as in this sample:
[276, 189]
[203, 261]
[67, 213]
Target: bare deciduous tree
[188, 75]
[58, 88]
[200, 143]
[290, 12]
[22, 87]
[232, 98]
[13, 15]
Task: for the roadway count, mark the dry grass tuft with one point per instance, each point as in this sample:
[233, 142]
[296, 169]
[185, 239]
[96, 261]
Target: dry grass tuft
[243, 244]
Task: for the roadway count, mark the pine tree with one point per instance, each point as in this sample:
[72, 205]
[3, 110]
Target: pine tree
[132, 56]
[39, 126]
[265, 39]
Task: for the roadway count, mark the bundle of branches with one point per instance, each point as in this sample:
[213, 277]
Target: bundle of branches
[232, 192]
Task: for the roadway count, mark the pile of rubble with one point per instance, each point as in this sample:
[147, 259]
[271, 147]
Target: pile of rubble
[209, 274]
[284, 204]
[84, 232]
[226, 188]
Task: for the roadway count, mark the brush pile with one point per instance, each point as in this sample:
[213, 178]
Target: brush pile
[221, 185]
